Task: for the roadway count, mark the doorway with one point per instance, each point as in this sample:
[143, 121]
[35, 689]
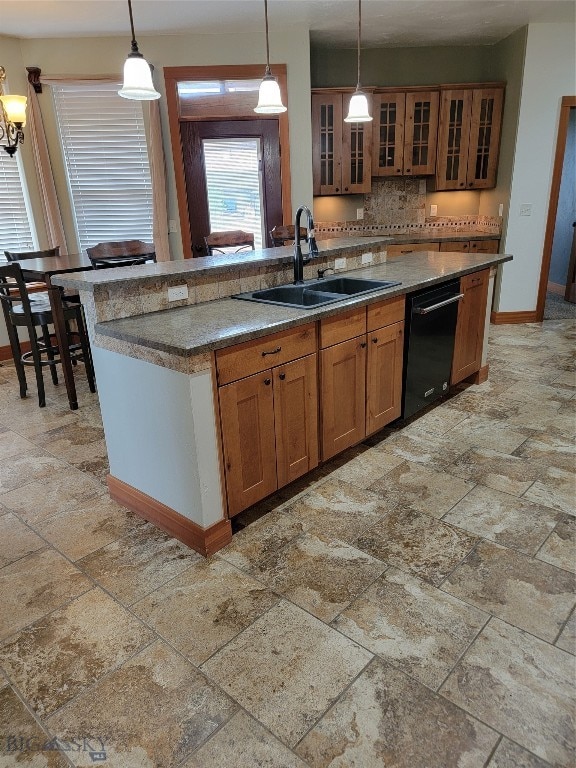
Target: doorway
[232, 171]
[557, 289]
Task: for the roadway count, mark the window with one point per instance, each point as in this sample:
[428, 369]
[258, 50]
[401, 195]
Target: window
[106, 159]
[15, 221]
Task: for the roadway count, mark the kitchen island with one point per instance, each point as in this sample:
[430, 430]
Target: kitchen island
[156, 366]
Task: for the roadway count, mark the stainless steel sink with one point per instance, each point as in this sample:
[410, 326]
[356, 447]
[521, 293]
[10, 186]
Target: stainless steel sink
[315, 293]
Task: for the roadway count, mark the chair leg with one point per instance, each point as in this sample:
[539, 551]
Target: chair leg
[17, 355]
[37, 358]
[50, 353]
[86, 353]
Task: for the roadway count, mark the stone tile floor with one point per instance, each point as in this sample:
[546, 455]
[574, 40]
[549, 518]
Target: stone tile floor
[408, 605]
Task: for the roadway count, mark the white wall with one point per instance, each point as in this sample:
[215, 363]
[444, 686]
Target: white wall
[549, 74]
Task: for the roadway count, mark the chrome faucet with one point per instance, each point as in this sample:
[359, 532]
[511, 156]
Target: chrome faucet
[299, 259]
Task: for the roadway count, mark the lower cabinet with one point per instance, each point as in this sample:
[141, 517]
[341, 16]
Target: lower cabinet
[471, 246]
[360, 377]
[470, 326]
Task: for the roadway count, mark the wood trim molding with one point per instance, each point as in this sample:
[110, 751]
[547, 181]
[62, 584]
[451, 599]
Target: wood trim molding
[556, 288]
[568, 103]
[504, 318]
[206, 541]
[480, 376]
[172, 75]
[6, 351]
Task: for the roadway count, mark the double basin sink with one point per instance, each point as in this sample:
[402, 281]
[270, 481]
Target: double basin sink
[315, 293]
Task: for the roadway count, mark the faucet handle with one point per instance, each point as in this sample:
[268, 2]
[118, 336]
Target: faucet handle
[312, 245]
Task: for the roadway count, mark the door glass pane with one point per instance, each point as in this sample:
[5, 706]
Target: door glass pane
[234, 183]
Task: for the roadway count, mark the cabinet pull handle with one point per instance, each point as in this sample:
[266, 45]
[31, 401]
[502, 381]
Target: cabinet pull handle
[267, 381]
[282, 376]
[406, 251]
[375, 340]
[272, 352]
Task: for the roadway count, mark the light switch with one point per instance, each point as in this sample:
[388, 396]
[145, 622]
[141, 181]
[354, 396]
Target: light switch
[526, 209]
[501, 209]
[359, 213]
[433, 210]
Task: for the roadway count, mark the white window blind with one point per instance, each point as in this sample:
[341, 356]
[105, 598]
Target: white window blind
[15, 228]
[106, 158]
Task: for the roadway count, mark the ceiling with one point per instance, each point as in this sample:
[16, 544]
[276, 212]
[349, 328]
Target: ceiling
[385, 23]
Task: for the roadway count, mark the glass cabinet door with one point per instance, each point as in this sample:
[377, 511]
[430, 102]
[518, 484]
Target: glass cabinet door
[484, 137]
[453, 139]
[388, 134]
[356, 153]
[420, 133]
[327, 143]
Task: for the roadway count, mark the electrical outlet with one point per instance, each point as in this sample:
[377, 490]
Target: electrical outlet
[367, 257]
[340, 263]
[501, 209]
[177, 292]
[359, 213]
[172, 226]
[433, 210]
[526, 209]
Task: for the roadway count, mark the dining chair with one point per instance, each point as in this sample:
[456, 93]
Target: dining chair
[23, 255]
[234, 239]
[286, 234]
[121, 253]
[20, 312]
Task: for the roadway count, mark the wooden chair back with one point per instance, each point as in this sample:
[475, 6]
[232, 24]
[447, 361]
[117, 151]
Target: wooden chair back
[236, 239]
[121, 253]
[23, 255]
[286, 234]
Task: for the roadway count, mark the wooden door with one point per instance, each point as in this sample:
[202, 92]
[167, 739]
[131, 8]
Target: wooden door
[343, 395]
[420, 133]
[453, 139]
[247, 420]
[192, 135]
[296, 418]
[485, 124]
[384, 376]
[327, 143]
[388, 134]
[356, 153]
[470, 326]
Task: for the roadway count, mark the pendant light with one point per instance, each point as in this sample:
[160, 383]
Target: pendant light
[358, 109]
[138, 83]
[269, 96]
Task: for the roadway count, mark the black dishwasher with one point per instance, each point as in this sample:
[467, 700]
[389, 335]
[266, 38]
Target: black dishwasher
[430, 328]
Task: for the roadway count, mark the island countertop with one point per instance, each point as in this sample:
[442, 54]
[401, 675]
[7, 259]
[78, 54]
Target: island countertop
[192, 330]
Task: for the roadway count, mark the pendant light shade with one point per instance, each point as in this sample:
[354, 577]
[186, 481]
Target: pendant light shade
[269, 96]
[358, 108]
[138, 83]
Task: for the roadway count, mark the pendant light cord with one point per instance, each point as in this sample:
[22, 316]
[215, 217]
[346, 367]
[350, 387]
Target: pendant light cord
[134, 43]
[359, 27]
[267, 43]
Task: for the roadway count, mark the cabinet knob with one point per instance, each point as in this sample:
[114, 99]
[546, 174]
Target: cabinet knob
[374, 340]
[267, 381]
[282, 376]
[408, 170]
[461, 183]
[398, 170]
[337, 189]
[363, 344]
[345, 189]
[470, 184]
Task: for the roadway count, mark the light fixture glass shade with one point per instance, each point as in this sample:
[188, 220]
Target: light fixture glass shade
[358, 109]
[138, 83]
[15, 108]
[269, 97]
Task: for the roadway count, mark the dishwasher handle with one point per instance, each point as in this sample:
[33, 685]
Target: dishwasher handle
[426, 310]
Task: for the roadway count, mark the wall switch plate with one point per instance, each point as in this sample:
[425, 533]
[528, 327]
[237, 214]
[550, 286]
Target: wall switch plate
[359, 213]
[501, 209]
[433, 210]
[172, 226]
[340, 263]
[367, 257]
[177, 292]
[526, 209]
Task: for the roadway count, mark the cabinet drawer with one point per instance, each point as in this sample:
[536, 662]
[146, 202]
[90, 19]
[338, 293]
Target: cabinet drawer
[455, 245]
[474, 279]
[385, 313]
[342, 327]
[395, 250]
[484, 246]
[257, 355]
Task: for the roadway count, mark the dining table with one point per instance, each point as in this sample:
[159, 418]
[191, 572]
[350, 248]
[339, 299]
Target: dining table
[43, 270]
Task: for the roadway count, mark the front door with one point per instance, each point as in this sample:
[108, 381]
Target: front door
[232, 171]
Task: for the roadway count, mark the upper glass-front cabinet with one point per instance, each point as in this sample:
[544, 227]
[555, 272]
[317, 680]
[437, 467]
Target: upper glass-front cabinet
[469, 138]
[341, 152]
[404, 133]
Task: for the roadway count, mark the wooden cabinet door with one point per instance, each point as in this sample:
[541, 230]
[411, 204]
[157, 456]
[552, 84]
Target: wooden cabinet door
[384, 376]
[420, 133]
[453, 139]
[327, 143]
[455, 245]
[296, 418]
[470, 326]
[356, 153]
[388, 134]
[247, 420]
[343, 395]
[484, 246]
[485, 123]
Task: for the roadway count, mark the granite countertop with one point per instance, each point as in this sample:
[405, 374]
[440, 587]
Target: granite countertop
[191, 330]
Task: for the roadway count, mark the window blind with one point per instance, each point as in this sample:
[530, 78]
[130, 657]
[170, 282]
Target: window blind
[15, 229]
[106, 159]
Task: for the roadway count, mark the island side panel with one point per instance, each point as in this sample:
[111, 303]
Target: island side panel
[161, 434]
